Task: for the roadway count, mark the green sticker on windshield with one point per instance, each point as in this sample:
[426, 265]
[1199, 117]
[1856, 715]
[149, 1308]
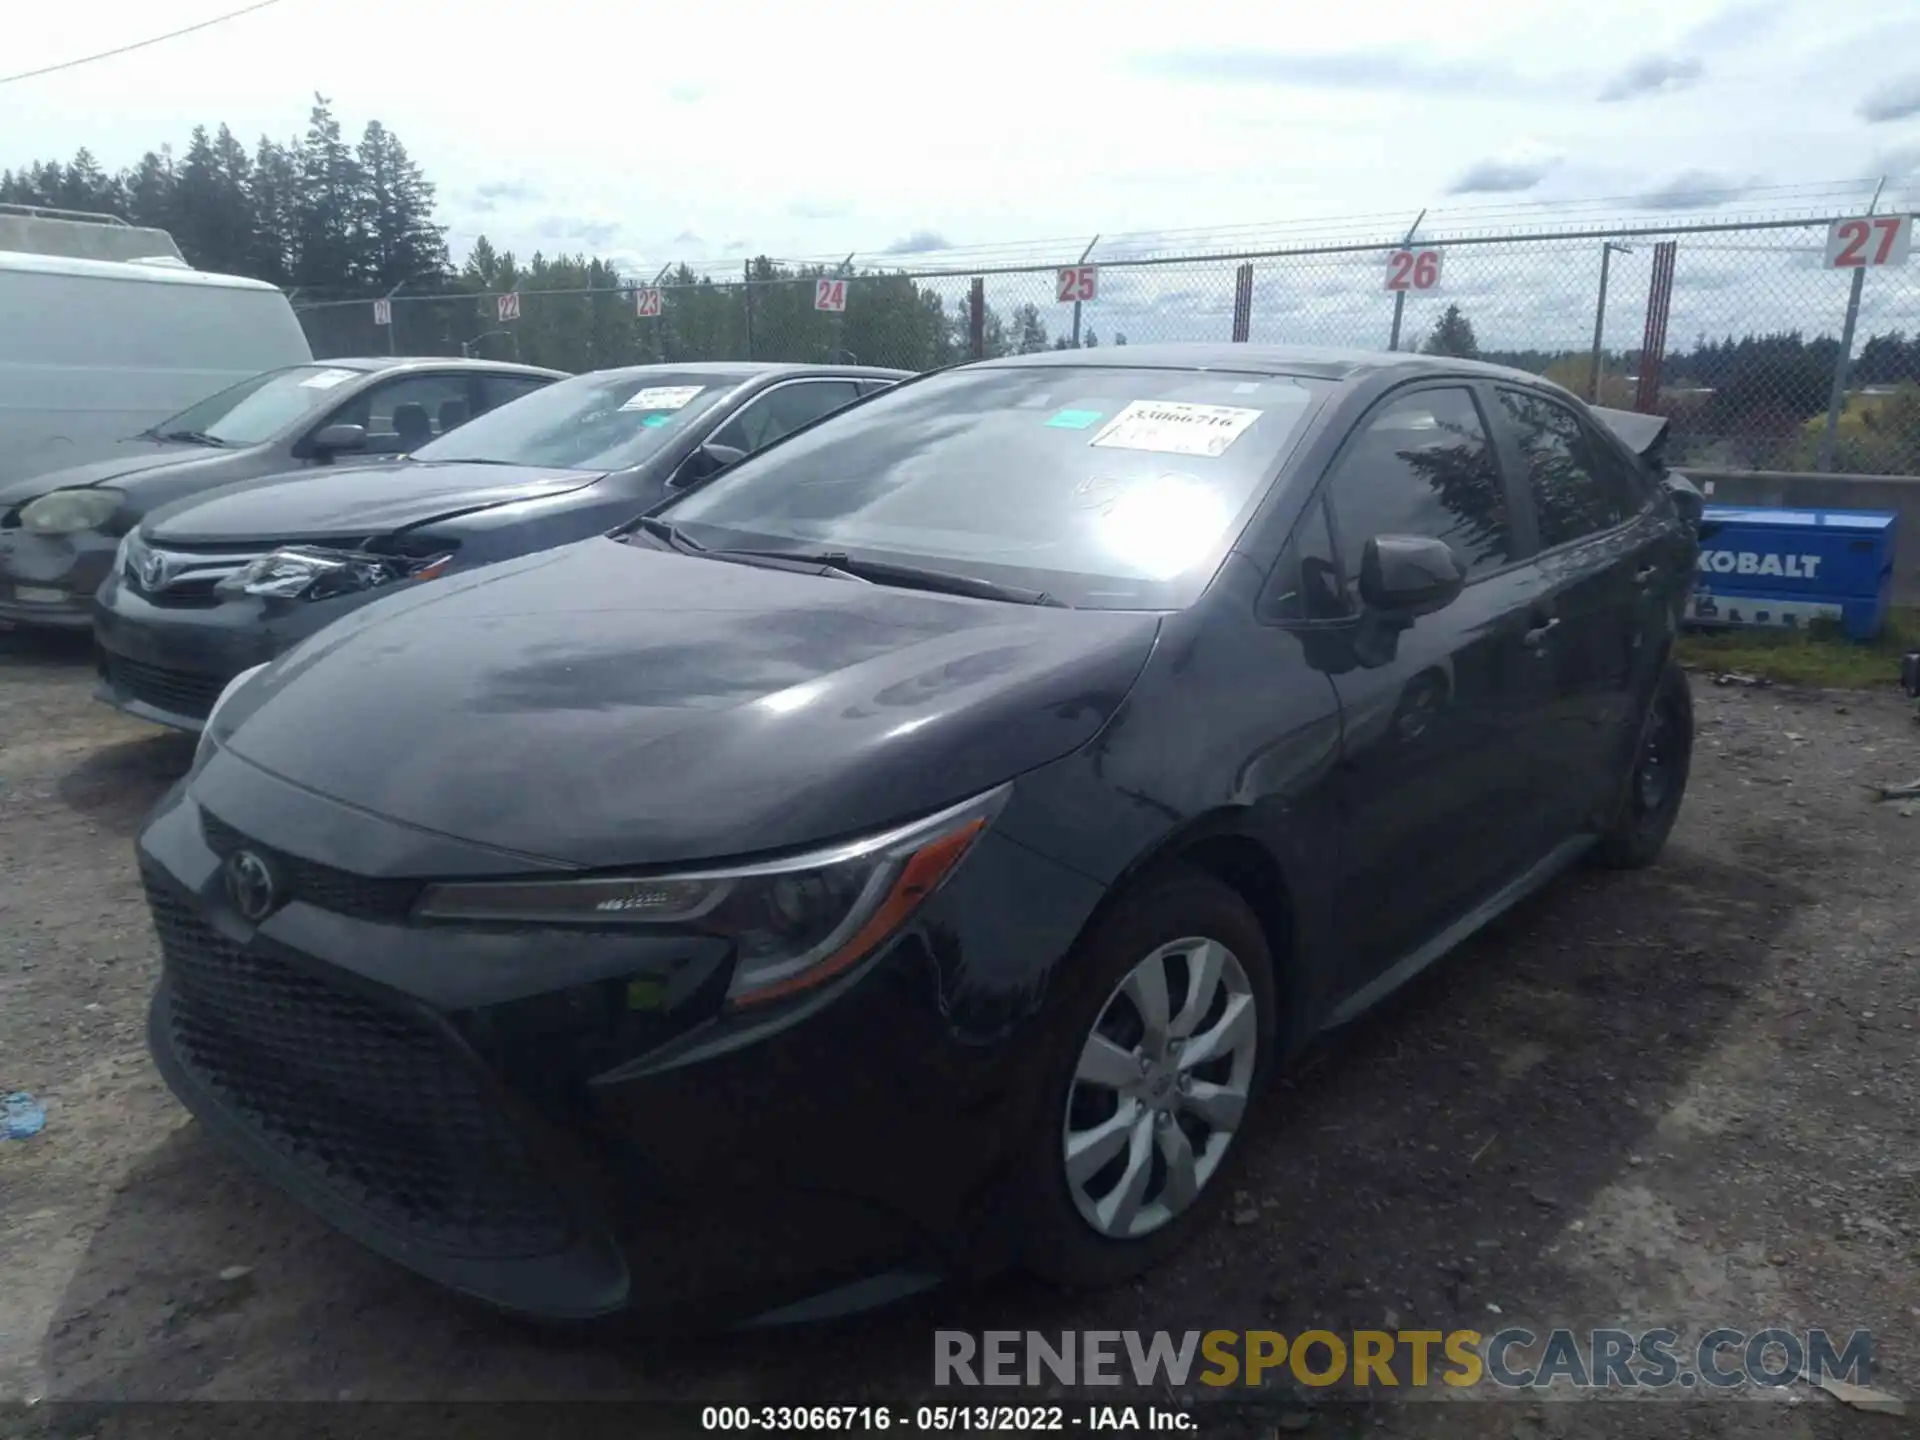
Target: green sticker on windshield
[1074, 420]
[654, 422]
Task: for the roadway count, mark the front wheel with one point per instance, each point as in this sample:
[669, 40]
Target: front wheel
[1657, 781]
[1158, 1050]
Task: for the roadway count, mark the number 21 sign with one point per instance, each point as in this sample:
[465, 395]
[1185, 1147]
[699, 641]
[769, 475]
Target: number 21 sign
[1416, 270]
[1869, 240]
[829, 294]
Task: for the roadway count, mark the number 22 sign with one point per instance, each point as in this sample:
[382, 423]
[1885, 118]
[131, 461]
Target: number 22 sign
[1413, 269]
[829, 294]
[1869, 240]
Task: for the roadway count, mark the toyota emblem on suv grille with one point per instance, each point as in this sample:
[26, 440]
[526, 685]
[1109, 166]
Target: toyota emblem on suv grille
[250, 885]
[155, 570]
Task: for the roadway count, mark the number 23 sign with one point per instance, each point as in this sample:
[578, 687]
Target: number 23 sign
[1869, 240]
[1413, 269]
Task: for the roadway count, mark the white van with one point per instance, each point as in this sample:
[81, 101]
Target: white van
[92, 350]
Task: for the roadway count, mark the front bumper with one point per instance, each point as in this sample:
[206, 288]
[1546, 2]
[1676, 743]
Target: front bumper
[50, 580]
[168, 663]
[567, 1124]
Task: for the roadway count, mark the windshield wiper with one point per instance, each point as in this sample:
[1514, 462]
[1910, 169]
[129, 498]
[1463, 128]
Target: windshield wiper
[906, 577]
[194, 437]
[670, 533]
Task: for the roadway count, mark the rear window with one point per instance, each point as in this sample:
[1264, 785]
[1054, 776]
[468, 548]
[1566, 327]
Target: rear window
[1114, 488]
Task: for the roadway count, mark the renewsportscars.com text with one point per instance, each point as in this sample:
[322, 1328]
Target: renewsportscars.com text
[1511, 1359]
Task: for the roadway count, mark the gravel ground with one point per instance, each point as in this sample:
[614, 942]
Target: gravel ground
[1684, 1097]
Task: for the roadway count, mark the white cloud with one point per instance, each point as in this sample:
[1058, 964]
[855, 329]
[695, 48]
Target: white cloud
[750, 141]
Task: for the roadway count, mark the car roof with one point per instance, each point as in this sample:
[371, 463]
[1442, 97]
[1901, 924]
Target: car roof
[1312, 361]
[372, 363]
[741, 370]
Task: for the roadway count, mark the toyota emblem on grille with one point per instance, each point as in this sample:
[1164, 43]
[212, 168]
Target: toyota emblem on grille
[250, 885]
[155, 571]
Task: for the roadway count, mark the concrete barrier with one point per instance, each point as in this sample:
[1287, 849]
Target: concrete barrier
[1800, 490]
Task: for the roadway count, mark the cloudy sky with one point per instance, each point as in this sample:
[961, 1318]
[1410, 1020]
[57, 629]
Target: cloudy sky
[656, 133]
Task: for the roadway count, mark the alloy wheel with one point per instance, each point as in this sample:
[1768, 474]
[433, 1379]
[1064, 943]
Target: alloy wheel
[1160, 1087]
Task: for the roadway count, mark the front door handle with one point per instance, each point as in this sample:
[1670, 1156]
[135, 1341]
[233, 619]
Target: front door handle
[1537, 636]
[1645, 573]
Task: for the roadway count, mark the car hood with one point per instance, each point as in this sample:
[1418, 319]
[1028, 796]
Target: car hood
[607, 704]
[139, 457]
[352, 505]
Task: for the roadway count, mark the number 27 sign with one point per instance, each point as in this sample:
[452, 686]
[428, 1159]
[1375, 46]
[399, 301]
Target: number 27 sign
[1869, 240]
[1413, 269]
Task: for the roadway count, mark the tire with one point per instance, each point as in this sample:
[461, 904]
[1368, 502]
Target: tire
[1643, 819]
[1157, 922]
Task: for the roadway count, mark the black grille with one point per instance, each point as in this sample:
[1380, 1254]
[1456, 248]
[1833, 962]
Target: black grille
[364, 1101]
[341, 891]
[183, 692]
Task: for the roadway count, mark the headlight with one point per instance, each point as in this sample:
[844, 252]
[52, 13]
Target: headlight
[62, 512]
[794, 923]
[232, 687]
[307, 572]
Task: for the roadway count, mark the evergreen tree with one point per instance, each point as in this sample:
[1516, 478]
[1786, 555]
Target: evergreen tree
[1453, 335]
[329, 238]
[395, 215]
[1029, 330]
[150, 188]
[272, 191]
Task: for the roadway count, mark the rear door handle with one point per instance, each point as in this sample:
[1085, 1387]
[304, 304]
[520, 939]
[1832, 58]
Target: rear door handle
[1645, 573]
[1537, 636]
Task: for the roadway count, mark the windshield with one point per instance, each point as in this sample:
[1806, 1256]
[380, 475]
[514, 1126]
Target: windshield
[1108, 488]
[591, 422]
[257, 409]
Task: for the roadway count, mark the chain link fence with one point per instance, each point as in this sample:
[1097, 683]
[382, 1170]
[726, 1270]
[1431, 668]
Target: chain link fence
[1735, 331]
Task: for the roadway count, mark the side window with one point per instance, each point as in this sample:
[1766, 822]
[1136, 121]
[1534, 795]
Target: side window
[1306, 583]
[1576, 482]
[498, 390]
[783, 410]
[402, 415]
[1421, 465]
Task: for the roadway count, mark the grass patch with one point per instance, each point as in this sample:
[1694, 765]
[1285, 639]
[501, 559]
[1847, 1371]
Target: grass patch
[1819, 655]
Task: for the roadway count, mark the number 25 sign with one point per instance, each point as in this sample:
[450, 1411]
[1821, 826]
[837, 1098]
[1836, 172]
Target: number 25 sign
[829, 294]
[1869, 240]
[1413, 269]
[1077, 282]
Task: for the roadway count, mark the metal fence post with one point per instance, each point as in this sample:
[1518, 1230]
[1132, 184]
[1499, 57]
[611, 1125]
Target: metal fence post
[977, 318]
[1653, 339]
[1076, 304]
[1400, 296]
[1837, 397]
[746, 300]
[1243, 303]
[1607, 247]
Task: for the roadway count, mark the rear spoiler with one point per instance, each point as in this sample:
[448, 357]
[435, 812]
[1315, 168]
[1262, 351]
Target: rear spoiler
[1643, 434]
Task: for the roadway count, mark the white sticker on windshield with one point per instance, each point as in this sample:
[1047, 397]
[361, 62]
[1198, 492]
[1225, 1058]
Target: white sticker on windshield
[326, 380]
[662, 397]
[1175, 427]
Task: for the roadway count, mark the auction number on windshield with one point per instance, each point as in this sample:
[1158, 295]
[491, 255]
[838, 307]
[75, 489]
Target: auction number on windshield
[1869, 240]
[1413, 270]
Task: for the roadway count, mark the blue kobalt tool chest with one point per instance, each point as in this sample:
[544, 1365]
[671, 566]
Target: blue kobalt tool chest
[1786, 567]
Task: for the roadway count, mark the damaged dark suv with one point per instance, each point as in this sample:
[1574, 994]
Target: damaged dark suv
[910, 852]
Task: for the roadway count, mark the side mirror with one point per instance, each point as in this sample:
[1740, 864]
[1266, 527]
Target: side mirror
[706, 462]
[334, 439]
[1686, 498]
[1409, 575]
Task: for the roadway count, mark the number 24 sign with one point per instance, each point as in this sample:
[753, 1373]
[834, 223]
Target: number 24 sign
[829, 294]
[1869, 240]
[1413, 269]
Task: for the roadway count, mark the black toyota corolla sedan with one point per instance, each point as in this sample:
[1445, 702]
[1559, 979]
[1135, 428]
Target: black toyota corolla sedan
[909, 853]
[208, 587]
[59, 531]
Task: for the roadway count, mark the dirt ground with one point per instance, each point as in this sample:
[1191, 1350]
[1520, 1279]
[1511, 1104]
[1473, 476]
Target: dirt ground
[1684, 1097]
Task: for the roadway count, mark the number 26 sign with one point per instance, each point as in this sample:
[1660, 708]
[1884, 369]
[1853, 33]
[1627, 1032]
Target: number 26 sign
[1417, 270]
[1869, 240]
